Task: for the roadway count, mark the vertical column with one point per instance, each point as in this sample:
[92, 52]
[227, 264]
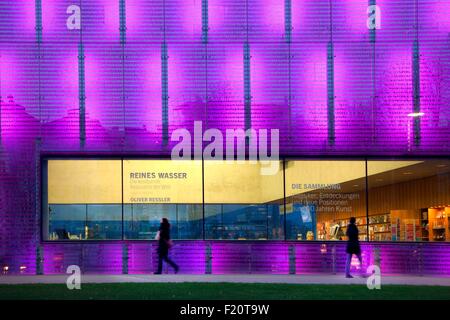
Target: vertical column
[416, 81]
[124, 258]
[123, 32]
[247, 87]
[122, 18]
[165, 93]
[288, 35]
[43, 198]
[39, 260]
[39, 248]
[330, 83]
[37, 209]
[38, 13]
[416, 92]
[164, 83]
[205, 30]
[81, 95]
[333, 259]
[247, 83]
[420, 260]
[287, 20]
[372, 31]
[330, 93]
[205, 22]
[372, 39]
[292, 253]
[376, 256]
[208, 258]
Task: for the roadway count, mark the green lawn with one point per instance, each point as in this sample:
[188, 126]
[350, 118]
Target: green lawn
[217, 291]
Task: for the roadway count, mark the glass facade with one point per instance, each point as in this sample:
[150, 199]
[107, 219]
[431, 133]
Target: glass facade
[304, 200]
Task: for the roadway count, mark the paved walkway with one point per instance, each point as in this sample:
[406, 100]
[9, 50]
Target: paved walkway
[243, 278]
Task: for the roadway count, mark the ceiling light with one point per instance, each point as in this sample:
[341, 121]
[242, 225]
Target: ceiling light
[416, 114]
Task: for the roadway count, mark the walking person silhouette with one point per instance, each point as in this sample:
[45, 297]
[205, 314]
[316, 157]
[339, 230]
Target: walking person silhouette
[352, 246]
[164, 244]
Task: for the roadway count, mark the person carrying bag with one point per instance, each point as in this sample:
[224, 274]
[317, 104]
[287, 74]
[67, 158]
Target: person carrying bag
[164, 244]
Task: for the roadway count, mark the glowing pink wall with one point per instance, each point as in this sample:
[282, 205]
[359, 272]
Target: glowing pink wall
[373, 90]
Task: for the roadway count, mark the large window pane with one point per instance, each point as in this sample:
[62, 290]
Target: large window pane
[162, 181]
[155, 189]
[85, 222]
[321, 196]
[84, 181]
[189, 222]
[104, 222]
[66, 221]
[409, 200]
[82, 200]
[142, 220]
[241, 203]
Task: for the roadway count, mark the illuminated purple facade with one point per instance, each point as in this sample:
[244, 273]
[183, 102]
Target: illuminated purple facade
[136, 70]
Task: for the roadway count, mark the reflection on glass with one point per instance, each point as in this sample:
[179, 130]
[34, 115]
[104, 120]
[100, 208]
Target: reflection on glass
[409, 200]
[189, 222]
[244, 222]
[66, 221]
[241, 203]
[85, 222]
[141, 221]
[300, 221]
[104, 222]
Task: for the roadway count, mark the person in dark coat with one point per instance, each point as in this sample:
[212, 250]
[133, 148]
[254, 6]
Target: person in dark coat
[352, 246]
[164, 246]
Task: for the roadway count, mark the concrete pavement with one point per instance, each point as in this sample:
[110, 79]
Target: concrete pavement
[237, 278]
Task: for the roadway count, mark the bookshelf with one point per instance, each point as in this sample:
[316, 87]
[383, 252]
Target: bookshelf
[361, 223]
[380, 227]
[439, 223]
[424, 225]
